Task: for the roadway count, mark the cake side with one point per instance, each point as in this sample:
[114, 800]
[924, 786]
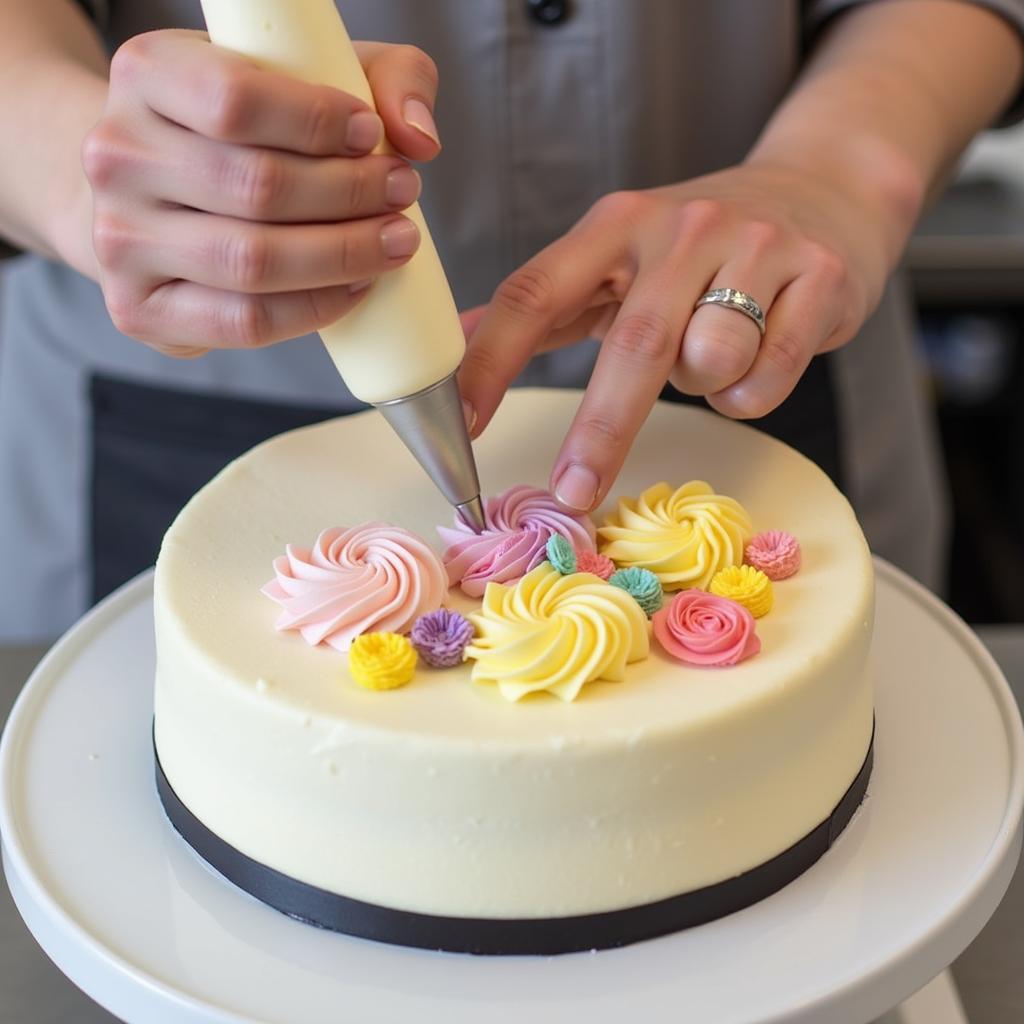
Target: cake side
[444, 799]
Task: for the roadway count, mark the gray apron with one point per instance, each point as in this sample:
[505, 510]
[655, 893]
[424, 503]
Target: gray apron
[102, 439]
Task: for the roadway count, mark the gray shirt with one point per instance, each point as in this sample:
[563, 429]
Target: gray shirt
[537, 122]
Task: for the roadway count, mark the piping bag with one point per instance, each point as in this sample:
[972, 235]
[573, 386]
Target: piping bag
[399, 348]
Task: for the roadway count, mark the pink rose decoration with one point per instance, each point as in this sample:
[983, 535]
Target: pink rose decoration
[518, 525]
[371, 578]
[775, 552]
[703, 629]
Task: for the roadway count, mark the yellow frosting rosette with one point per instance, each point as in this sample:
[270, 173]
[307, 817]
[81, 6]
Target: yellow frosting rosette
[556, 633]
[381, 661]
[746, 586]
[684, 536]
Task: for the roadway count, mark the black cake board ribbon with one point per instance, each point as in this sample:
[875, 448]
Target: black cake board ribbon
[511, 936]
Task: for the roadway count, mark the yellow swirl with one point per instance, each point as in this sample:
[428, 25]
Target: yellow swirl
[746, 586]
[556, 633]
[684, 536]
[381, 661]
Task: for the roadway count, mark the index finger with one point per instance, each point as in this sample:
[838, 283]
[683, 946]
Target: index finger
[219, 94]
[632, 366]
[552, 289]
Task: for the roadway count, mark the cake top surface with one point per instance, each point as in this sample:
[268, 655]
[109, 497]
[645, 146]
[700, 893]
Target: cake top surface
[219, 552]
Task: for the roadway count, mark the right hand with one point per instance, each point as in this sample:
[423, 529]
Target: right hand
[235, 207]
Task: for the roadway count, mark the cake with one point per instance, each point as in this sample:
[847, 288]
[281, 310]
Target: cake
[444, 815]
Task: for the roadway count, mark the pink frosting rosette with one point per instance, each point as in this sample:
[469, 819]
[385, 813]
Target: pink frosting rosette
[775, 552]
[519, 523]
[599, 565]
[703, 629]
[370, 578]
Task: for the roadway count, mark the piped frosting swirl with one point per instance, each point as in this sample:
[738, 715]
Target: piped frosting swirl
[519, 523]
[556, 633]
[370, 578]
[704, 629]
[684, 536]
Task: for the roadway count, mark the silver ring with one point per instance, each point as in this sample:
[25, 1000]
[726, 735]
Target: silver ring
[733, 299]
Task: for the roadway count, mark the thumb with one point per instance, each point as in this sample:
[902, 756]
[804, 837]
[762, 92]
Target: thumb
[404, 84]
[470, 319]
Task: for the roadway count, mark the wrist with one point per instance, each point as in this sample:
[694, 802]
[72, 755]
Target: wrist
[69, 229]
[64, 222]
[869, 174]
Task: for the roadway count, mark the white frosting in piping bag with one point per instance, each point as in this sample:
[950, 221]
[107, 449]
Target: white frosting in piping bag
[405, 333]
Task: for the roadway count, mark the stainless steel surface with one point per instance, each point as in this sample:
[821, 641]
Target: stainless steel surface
[432, 426]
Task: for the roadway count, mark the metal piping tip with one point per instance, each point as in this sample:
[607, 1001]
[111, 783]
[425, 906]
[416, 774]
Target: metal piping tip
[432, 426]
[472, 514]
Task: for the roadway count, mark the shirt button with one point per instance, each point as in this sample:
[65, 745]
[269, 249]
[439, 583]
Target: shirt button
[548, 12]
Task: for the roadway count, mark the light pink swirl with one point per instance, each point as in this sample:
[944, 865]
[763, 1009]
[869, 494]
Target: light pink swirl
[356, 580]
[518, 525]
[703, 629]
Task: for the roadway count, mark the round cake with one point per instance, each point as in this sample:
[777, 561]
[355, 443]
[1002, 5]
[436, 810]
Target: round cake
[442, 814]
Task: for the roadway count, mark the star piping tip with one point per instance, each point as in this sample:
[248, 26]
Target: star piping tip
[472, 514]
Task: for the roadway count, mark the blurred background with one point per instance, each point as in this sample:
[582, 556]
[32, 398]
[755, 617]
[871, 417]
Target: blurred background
[967, 266]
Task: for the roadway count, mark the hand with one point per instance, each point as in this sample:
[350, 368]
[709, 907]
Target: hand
[630, 273]
[234, 207]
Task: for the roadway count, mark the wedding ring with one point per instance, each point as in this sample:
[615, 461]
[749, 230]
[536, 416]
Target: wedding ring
[731, 298]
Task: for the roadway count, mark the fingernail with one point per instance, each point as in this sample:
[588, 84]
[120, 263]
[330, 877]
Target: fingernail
[402, 187]
[417, 114]
[469, 415]
[399, 238]
[365, 130]
[360, 286]
[577, 487]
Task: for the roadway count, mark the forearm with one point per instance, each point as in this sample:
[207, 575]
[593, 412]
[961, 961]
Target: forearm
[52, 90]
[890, 98]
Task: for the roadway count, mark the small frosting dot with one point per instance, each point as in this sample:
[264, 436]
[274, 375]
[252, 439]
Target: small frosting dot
[775, 552]
[381, 661]
[592, 562]
[643, 585]
[561, 554]
[745, 585]
[441, 637]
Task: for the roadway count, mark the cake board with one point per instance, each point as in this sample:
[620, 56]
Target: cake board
[134, 918]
